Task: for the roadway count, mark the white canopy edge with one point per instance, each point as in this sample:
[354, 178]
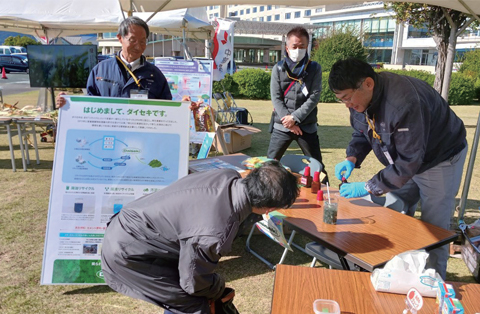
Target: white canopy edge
[467, 6]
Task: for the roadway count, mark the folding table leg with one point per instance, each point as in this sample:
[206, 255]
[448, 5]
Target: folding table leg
[248, 249]
[22, 152]
[35, 145]
[285, 251]
[344, 262]
[10, 145]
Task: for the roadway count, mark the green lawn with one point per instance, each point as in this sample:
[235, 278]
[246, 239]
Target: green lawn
[23, 214]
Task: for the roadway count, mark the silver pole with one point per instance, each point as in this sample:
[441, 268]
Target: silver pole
[468, 175]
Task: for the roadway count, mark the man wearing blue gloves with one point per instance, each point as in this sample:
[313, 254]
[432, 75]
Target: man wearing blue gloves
[413, 133]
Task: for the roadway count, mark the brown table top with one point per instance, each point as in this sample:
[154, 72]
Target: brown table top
[367, 234]
[297, 287]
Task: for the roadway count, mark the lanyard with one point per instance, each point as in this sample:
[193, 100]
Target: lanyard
[295, 79]
[372, 126]
[137, 81]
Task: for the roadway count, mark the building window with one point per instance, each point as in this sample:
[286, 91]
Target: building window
[234, 13]
[254, 10]
[211, 16]
[216, 7]
[211, 7]
[308, 12]
[261, 19]
[269, 18]
[248, 11]
[288, 16]
[216, 14]
[318, 10]
[277, 7]
[262, 8]
[241, 12]
[277, 17]
[269, 7]
[297, 14]
[254, 19]
[417, 32]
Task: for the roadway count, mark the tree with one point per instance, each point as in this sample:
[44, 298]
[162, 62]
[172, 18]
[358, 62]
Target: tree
[445, 26]
[20, 41]
[471, 67]
[340, 44]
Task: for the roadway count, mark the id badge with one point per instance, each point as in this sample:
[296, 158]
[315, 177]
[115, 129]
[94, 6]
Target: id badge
[387, 154]
[139, 93]
[304, 89]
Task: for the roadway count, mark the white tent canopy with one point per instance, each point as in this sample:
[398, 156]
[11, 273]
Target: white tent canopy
[193, 20]
[467, 6]
[53, 18]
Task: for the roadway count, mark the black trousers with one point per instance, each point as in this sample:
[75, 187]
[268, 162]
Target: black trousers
[309, 144]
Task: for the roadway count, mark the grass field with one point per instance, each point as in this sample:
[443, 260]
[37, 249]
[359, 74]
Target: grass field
[24, 199]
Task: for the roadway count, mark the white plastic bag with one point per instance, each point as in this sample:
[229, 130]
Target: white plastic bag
[406, 271]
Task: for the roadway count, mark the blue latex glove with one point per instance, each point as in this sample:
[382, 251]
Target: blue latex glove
[355, 189]
[346, 167]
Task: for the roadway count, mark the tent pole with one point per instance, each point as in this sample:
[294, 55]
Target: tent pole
[473, 152]
[468, 175]
[469, 10]
[188, 56]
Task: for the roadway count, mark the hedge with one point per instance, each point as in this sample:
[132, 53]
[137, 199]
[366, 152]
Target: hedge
[255, 84]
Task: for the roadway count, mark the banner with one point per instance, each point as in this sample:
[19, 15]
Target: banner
[109, 152]
[222, 48]
[193, 78]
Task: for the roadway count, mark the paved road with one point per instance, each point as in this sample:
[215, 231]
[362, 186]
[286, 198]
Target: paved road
[15, 84]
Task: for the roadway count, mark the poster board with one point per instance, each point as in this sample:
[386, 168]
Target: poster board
[192, 78]
[109, 152]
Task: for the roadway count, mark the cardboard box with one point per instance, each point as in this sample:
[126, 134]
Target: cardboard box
[237, 137]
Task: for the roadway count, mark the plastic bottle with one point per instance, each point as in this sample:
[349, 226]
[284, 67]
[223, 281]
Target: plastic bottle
[306, 179]
[316, 182]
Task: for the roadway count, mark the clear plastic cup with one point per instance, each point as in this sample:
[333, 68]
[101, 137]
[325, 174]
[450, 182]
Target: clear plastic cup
[330, 208]
[326, 306]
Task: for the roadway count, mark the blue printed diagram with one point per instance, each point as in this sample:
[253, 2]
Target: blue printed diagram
[108, 163]
[121, 157]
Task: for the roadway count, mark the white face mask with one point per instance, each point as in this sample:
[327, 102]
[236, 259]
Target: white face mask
[296, 54]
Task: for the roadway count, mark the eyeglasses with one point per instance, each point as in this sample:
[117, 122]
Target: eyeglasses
[134, 41]
[343, 100]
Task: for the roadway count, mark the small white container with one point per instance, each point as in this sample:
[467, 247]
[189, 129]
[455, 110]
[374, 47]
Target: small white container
[326, 306]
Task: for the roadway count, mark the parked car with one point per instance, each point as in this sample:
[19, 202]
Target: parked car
[14, 63]
[7, 50]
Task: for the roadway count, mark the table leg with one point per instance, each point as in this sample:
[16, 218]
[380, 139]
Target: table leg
[25, 143]
[10, 145]
[248, 249]
[34, 134]
[20, 139]
[344, 262]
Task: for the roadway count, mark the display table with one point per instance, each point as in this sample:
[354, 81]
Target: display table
[297, 287]
[366, 234]
[26, 126]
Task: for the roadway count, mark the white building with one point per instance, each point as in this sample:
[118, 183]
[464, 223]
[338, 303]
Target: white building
[388, 42]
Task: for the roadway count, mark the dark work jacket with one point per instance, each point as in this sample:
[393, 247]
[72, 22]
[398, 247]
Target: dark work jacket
[109, 78]
[164, 247]
[302, 108]
[416, 126]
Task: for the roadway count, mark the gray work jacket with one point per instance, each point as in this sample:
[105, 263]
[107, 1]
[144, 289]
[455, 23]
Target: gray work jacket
[302, 107]
[416, 127]
[164, 247]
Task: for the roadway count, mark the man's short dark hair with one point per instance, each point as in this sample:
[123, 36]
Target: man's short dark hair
[299, 32]
[271, 186]
[348, 74]
[124, 27]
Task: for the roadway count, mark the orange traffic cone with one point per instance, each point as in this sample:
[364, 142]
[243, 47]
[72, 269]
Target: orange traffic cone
[4, 75]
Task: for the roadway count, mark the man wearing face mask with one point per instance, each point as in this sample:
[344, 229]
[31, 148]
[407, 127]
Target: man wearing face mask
[295, 89]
